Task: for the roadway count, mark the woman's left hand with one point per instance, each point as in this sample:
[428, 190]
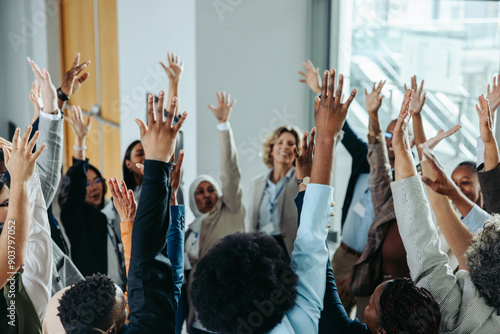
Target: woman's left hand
[124, 200]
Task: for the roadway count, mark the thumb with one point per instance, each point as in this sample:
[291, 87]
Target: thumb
[142, 127]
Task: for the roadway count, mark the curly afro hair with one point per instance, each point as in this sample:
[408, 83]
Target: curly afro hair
[243, 284]
[406, 308]
[483, 260]
[88, 304]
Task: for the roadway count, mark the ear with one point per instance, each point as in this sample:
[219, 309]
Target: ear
[381, 331]
[128, 164]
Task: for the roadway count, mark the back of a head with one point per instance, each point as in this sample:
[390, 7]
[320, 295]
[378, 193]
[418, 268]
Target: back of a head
[406, 308]
[243, 284]
[483, 261]
[88, 305]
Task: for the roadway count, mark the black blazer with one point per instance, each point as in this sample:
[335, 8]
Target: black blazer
[358, 149]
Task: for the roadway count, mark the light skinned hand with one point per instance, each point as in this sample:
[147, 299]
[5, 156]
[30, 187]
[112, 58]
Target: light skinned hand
[71, 82]
[442, 183]
[304, 159]
[329, 111]
[174, 68]
[224, 107]
[19, 160]
[431, 143]
[493, 95]
[417, 98]
[48, 90]
[485, 120]
[80, 127]
[36, 99]
[401, 140]
[158, 137]
[123, 199]
[373, 100]
[311, 77]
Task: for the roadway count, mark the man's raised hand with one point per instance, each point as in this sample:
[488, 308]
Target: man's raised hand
[158, 137]
[311, 78]
[373, 100]
[48, 90]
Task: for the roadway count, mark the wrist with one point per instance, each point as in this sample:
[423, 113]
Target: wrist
[79, 141]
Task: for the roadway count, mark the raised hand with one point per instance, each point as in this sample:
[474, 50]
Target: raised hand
[304, 159]
[493, 95]
[491, 157]
[311, 78]
[417, 99]
[80, 127]
[224, 108]
[19, 160]
[71, 82]
[174, 68]
[36, 99]
[123, 199]
[432, 142]
[329, 111]
[373, 100]
[485, 120]
[442, 183]
[175, 176]
[158, 137]
[404, 164]
[48, 89]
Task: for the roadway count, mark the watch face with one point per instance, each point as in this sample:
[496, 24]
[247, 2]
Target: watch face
[307, 179]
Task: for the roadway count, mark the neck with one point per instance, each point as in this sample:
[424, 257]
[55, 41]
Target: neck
[279, 172]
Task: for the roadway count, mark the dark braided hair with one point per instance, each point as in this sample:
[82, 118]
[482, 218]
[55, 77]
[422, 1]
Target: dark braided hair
[406, 308]
[88, 304]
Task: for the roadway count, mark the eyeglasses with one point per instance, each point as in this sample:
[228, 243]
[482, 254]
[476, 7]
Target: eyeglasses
[388, 135]
[96, 181]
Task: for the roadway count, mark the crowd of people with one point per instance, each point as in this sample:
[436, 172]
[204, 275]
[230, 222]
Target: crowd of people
[419, 252]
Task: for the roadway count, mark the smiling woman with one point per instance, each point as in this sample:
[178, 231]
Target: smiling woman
[271, 208]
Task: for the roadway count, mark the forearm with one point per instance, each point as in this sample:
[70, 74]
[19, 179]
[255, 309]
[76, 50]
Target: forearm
[418, 132]
[456, 233]
[491, 159]
[380, 171]
[323, 164]
[79, 154]
[49, 164]
[14, 239]
[126, 234]
[175, 247]
[230, 172]
[373, 125]
[463, 204]
[172, 91]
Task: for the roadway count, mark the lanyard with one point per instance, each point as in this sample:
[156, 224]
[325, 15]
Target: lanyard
[273, 203]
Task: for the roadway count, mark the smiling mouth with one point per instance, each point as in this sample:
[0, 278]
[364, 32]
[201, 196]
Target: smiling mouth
[95, 196]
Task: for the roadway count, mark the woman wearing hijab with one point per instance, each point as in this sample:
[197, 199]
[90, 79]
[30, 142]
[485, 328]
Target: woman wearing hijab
[218, 210]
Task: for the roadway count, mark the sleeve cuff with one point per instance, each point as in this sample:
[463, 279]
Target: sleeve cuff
[52, 117]
[224, 126]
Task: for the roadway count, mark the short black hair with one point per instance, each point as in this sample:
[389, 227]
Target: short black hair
[88, 304]
[244, 282]
[128, 176]
[470, 164]
[406, 308]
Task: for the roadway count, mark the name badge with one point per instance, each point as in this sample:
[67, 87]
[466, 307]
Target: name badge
[359, 209]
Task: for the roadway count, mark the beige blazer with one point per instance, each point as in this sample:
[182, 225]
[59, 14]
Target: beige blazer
[285, 205]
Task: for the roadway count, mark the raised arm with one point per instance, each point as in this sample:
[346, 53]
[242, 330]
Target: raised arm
[417, 103]
[310, 253]
[51, 132]
[232, 192]
[20, 163]
[456, 233]
[428, 265]
[150, 282]
[174, 73]
[380, 168]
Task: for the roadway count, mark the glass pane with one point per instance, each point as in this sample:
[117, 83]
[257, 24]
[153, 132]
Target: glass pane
[452, 45]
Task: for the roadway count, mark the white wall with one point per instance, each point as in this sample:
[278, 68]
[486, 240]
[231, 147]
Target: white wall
[146, 32]
[29, 28]
[251, 49]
